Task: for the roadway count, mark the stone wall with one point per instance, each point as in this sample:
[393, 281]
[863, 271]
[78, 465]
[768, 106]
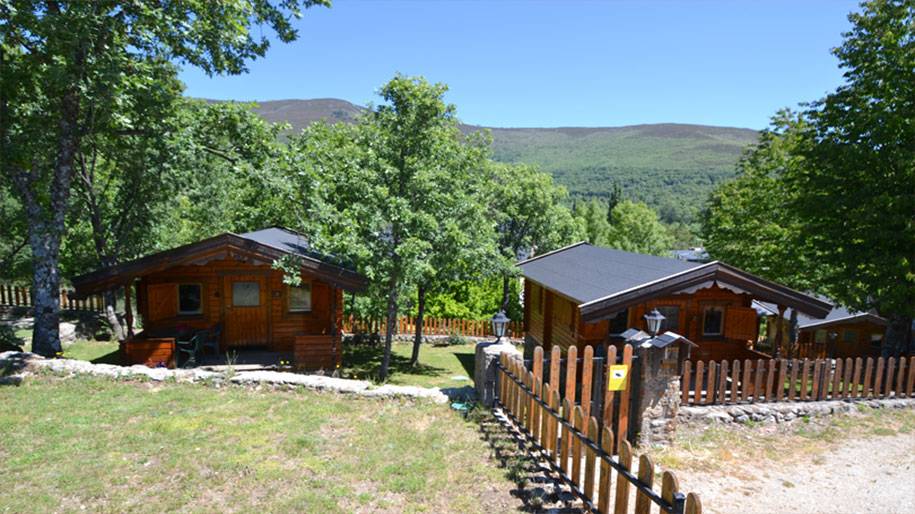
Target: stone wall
[782, 412]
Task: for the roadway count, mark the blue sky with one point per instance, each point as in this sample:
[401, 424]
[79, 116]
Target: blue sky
[546, 64]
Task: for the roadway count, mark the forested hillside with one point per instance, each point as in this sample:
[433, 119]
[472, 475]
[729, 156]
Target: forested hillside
[672, 167]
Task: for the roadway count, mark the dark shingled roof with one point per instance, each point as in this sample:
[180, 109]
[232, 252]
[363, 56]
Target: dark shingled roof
[604, 281]
[281, 239]
[838, 314]
[584, 272]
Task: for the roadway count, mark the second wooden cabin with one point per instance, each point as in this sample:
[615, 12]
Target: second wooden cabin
[587, 295]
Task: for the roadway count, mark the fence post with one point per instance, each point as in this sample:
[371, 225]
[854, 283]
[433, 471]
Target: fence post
[656, 388]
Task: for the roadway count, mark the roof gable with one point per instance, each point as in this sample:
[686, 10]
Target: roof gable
[261, 246]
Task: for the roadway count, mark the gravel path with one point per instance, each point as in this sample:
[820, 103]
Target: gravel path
[876, 475]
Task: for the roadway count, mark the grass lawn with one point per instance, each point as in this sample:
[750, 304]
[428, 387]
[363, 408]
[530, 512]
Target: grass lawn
[99, 445]
[438, 365]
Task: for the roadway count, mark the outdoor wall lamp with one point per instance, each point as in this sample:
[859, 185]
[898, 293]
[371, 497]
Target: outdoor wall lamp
[654, 320]
[499, 324]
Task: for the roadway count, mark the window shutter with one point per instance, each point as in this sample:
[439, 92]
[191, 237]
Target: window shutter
[163, 301]
[740, 323]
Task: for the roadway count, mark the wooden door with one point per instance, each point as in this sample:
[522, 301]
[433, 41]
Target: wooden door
[246, 315]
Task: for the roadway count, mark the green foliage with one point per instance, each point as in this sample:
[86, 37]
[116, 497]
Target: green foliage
[672, 168]
[397, 194]
[855, 193]
[474, 299]
[630, 226]
[635, 227]
[748, 223]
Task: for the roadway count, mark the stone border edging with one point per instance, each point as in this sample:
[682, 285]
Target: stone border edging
[25, 361]
[783, 412]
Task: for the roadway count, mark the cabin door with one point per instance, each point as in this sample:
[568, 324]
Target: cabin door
[245, 307]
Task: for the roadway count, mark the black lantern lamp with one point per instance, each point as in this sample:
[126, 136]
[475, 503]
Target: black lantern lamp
[499, 324]
[654, 320]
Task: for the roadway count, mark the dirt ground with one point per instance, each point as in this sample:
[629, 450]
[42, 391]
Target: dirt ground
[862, 475]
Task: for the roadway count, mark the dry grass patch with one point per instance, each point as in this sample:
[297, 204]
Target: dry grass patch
[739, 449]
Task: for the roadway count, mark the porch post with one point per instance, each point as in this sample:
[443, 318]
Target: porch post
[128, 312]
[779, 332]
[334, 330]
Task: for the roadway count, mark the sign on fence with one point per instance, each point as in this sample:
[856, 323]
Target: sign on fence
[617, 377]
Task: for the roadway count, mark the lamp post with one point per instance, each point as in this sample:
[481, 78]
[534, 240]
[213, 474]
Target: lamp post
[654, 320]
[499, 324]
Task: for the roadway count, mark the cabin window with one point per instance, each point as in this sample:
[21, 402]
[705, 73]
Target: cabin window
[671, 315]
[190, 299]
[819, 336]
[877, 340]
[246, 294]
[619, 322]
[712, 321]
[850, 336]
[300, 298]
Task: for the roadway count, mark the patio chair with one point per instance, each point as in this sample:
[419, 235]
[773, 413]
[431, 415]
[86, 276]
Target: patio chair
[211, 342]
[191, 349]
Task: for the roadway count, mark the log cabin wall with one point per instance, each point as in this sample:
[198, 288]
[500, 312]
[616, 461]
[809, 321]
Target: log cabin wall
[555, 319]
[853, 339]
[534, 302]
[157, 302]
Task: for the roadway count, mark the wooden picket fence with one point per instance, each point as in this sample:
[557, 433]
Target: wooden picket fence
[770, 380]
[576, 446]
[431, 326]
[15, 296]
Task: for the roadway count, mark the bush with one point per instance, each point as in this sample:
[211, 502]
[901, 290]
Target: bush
[9, 341]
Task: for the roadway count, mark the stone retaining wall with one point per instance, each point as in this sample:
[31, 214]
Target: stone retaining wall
[15, 365]
[782, 412]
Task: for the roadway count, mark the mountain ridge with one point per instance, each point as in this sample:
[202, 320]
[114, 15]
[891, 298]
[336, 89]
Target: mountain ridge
[671, 166]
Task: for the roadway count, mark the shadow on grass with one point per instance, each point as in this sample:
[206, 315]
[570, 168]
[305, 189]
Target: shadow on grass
[467, 360]
[113, 357]
[534, 486]
[365, 360]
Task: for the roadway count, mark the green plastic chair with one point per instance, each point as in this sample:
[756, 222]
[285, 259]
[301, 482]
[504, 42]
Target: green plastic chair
[191, 348]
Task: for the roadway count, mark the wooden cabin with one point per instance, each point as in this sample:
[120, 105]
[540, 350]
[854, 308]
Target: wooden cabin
[587, 295]
[227, 284]
[841, 334]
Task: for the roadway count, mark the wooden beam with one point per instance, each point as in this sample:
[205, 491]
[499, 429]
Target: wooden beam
[780, 332]
[128, 312]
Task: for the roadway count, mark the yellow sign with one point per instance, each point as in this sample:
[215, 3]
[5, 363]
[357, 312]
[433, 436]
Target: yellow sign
[617, 377]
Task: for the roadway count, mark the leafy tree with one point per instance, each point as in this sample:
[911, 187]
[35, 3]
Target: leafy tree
[635, 227]
[594, 220]
[393, 193]
[462, 246]
[854, 196]
[530, 217]
[748, 223]
[69, 70]
[616, 196]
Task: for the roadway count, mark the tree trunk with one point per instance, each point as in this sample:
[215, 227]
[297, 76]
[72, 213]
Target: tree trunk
[111, 311]
[45, 244]
[421, 311]
[506, 292]
[897, 336]
[389, 330]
